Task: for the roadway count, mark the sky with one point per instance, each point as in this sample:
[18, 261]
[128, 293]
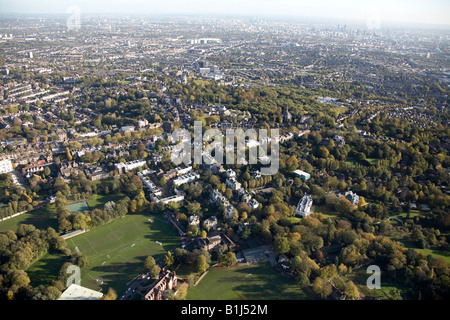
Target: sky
[406, 11]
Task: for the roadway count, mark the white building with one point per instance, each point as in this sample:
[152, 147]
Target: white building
[126, 129]
[142, 123]
[128, 166]
[233, 184]
[182, 171]
[352, 197]
[185, 179]
[229, 211]
[194, 220]
[304, 206]
[148, 183]
[76, 292]
[211, 222]
[231, 173]
[175, 198]
[6, 166]
[253, 204]
[302, 174]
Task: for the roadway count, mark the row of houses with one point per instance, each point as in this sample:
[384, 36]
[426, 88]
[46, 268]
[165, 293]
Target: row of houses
[218, 198]
[236, 186]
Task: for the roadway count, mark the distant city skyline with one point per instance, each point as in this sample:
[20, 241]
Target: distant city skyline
[403, 11]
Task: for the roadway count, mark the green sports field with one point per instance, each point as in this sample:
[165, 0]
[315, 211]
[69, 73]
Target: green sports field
[41, 218]
[249, 282]
[116, 251]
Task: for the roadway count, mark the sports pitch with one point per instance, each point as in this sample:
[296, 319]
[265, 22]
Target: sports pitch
[116, 251]
[249, 282]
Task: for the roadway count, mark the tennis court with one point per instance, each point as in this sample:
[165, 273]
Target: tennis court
[77, 207]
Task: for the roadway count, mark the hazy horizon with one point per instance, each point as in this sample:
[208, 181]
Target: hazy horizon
[434, 12]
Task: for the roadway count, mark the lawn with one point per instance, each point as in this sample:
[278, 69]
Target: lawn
[98, 201]
[403, 238]
[414, 213]
[46, 269]
[437, 253]
[250, 282]
[325, 211]
[388, 289]
[366, 162]
[371, 161]
[41, 218]
[116, 251]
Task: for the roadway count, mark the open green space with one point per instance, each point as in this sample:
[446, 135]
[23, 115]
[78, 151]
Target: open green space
[325, 211]
[404, 239]
[365, 162]
[414, 213]
[98, 201]
[371, 161]
[250, 282]
[184, 270]
[437, 253]
[46, 269]
[41, 218]
[388, 289]
[116, 251]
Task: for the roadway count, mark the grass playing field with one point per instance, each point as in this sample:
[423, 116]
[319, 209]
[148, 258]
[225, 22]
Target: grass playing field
[250, 282]
[116, 251]
[41, 218]
[46, 269]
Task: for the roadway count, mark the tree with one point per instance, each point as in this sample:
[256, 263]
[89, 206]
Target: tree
[52, 293]
[155, 270]
[351, 290]
[69, 155]
[328, 272]
[149, 263]
[362, 202]
[80, 260]
[322, 287]
[202, 264]
[110, 295]
[214, 180]
[169, 259]
[181, 292]
[194, 208]
[323, 152]
[302, 263]
[416, 235]
[80, 222]
[228, 259]
[162, 181]
[19, 278]
[47, 171]
[193, 230]
[281, 245]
